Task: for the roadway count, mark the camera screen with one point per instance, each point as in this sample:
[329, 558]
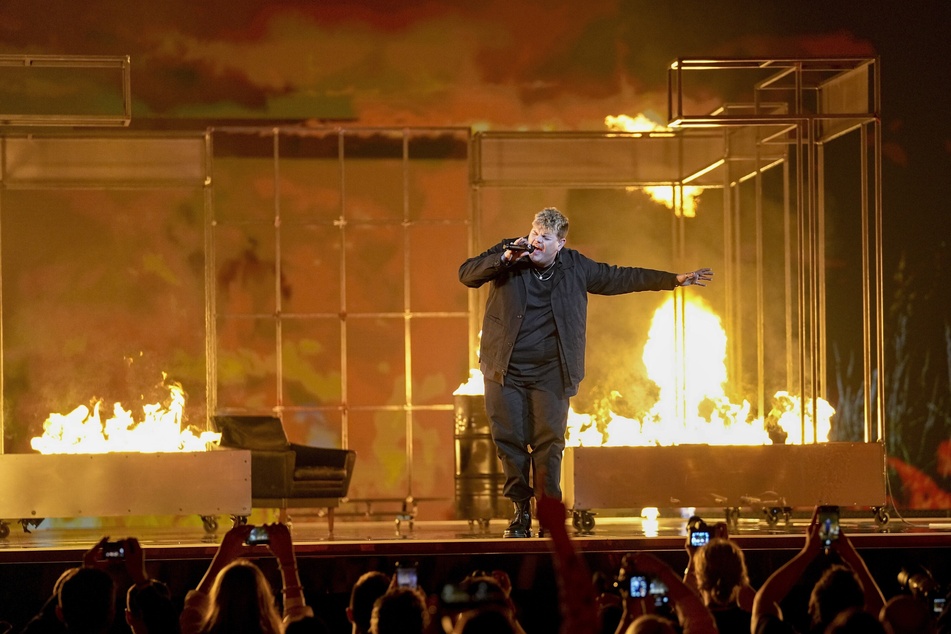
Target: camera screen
[699, 538]
[258, 535]
[937, 604]
[828, 524]
[406, 577]
[658, 590]
[639, 586]
[113, 550]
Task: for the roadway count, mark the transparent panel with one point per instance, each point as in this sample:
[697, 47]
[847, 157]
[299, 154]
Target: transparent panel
[436, 251]
[245, 270]
[439, 177]
[247, 364]
[311, 356]
[373, 176]
[317, 428]
[433, 464]
[243, 176]
[96, 307]
[375, 362]
[375, 269]
[381, 470]
[440, 358]
[310, 178]
[310, 264]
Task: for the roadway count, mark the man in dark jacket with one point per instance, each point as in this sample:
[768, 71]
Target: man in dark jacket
[533, 340]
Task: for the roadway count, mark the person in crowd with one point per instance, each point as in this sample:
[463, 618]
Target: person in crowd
[717, 571]
[479, 591]
[47, 620]
[907, 614]
[307, 625]
[234, 596]
[368, 588]
[149, 609]
[842, 586]
[855, 621]
[533, 345]
[401, 610]
[691, 614]
[87, 601]
[488, 620]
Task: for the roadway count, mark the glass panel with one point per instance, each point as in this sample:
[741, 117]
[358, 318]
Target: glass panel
[375, 362]
[439, 177]
[243, 176]
[440, 358]
[374, 269]
[311, 356]
[379, 439]
[245, 270]
[373, 176]
[311, 261]
[310, 179]
[436, 251]
[247, 367]
[97, 307]
[433, 464]
[316, 428]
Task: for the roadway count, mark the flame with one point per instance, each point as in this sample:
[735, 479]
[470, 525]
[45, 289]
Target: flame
[664, 194]
[693, 406]
[160, 430]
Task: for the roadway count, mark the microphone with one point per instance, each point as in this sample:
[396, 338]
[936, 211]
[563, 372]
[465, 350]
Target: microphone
[520, 247]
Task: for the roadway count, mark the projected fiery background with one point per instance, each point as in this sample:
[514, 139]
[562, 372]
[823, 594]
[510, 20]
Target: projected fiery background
[104, 288]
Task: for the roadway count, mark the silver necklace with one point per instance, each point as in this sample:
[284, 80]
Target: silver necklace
[546, 274]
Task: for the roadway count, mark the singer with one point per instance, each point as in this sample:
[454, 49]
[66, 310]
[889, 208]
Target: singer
[533, 342]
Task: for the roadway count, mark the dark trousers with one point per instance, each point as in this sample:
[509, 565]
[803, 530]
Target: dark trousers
[528, 421]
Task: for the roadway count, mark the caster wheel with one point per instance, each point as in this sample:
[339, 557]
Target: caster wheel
[210, 523]
[576, 520]
[772, 515]
[4, 530]
[484, 523]
[587, 522]
[732, 516]
[881, 516]
[239, 520]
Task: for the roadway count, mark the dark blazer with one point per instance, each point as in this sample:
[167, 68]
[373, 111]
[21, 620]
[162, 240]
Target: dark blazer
[577, 276]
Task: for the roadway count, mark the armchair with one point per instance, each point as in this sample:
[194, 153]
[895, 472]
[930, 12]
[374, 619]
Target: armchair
[285, 474]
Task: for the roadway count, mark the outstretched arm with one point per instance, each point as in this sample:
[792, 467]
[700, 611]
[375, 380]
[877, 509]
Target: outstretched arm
[778, 585]
[579, 603]
[695, 278]
[281, 545]
[874, 600]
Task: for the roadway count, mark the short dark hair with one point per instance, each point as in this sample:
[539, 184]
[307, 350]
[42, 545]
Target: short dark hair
[87, 601]
[368, 588]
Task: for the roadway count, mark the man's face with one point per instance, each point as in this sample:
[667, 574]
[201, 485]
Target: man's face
[547, 245]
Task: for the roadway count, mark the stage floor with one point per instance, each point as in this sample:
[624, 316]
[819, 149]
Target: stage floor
[64, 540]
[178, 551]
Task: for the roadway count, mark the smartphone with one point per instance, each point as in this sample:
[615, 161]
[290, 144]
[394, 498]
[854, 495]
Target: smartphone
[113, 550]
[639, 586]
[699, 538]
[937, 604]
[658, 590]
[406, 576]
[258, 535]
[828, 524]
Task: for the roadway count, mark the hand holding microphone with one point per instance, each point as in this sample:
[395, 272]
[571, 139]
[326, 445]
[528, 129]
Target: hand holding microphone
[518, 249]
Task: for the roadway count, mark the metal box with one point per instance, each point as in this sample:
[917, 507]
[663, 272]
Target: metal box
[110, 484]
[844, 474]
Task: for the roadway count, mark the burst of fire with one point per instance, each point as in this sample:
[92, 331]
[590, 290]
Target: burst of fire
[693, 406]
[159, 430]
[664, 194]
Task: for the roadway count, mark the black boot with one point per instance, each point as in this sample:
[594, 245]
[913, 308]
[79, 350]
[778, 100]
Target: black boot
[521, 525]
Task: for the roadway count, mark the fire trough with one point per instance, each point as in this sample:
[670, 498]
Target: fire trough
[771, 478]
[205, 483]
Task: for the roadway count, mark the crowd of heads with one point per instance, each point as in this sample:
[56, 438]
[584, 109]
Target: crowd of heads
[644, 595]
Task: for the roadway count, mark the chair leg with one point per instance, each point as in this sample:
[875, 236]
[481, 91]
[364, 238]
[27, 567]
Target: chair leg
[330, 520]
[282, 515]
